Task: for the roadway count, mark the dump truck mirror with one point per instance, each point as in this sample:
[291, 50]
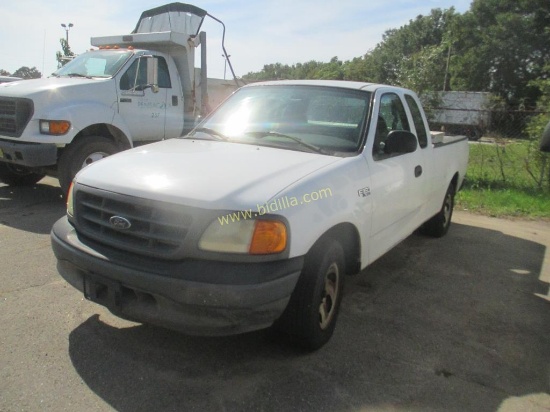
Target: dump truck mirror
[153, 73]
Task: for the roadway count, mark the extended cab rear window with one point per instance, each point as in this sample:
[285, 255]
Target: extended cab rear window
[418, 121]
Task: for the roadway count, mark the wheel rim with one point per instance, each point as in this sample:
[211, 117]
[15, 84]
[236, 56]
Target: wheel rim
[447, 209]
[327, 308]
[94, 157]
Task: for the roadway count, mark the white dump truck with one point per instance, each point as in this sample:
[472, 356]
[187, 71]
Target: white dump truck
[256, 217]
[460, 113]
[133, 89]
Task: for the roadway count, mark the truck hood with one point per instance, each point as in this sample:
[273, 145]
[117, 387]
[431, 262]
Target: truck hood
[67, 87]
[203, 173]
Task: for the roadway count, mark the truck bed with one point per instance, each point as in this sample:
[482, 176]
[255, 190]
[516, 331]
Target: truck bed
[441, 139]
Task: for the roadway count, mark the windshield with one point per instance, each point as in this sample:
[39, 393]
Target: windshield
[308, 118]
[98, 63]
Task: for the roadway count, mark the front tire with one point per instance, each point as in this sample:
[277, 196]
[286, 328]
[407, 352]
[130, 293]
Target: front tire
[81, 153]
[310, 317]
[15, 175]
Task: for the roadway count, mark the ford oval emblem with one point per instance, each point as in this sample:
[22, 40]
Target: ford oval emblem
[120, 223]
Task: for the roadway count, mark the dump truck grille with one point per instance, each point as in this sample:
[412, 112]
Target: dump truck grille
[14, 115]
[132, 224]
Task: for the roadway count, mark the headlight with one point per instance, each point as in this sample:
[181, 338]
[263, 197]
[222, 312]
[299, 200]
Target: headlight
[54, 127]
[70, 201]
[255, 237]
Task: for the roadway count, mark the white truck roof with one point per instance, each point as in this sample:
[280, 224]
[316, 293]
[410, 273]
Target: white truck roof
[371, 87]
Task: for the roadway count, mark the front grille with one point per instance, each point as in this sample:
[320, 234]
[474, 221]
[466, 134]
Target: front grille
[157, 229]
[14, 115]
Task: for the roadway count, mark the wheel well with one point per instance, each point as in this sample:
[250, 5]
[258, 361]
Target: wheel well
[454, 181]
[348, 236]
[108, 131]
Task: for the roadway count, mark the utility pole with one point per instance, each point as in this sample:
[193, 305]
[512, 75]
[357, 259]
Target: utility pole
[448, 61]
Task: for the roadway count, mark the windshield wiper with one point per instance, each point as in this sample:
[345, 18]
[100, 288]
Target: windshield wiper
[261, 134]
[211, 132]
[78, 75]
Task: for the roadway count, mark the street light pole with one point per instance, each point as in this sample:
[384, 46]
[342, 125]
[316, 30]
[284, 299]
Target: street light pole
[225, 64]
[67, 28]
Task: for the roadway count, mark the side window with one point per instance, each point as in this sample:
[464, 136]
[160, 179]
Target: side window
[137, 75]
[164, 74]
[421, 132]
[391, 116]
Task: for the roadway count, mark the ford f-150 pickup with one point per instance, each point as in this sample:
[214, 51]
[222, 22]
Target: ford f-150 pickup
[255, 218]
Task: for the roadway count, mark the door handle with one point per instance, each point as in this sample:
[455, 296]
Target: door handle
[417, 171]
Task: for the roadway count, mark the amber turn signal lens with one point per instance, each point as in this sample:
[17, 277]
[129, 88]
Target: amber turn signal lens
[269, 237]
[59, 127]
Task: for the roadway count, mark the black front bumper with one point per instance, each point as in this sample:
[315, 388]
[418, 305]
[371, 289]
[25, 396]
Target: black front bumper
[172, 297]
[28, 154]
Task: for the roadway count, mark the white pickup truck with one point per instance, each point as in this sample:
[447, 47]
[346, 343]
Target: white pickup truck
[256, 216]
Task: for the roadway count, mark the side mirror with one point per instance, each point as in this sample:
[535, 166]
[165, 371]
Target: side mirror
[153, 73]
[400, 142]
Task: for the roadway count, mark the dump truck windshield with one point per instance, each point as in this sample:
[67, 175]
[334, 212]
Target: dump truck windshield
[99, 63]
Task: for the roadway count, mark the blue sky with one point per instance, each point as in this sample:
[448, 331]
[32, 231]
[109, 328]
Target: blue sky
[257, 32]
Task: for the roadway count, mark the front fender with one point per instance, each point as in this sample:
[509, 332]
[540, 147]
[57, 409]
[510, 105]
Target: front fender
[81, 115]
[85, 115]
[337, 194]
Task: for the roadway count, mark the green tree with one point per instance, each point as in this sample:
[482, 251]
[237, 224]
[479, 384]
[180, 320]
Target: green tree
[332, 70]
[276, 71]
[27, 73]
[498, 46]
[307, 70]
[414, 55]
[4, 72]
[66, 55]
[501, 46]
[356, 70]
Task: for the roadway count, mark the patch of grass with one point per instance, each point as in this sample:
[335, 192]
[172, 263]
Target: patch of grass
[502, 180]
[504, 203]
[502, 165]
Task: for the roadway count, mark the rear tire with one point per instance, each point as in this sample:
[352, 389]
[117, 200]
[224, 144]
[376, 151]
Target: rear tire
[438, 226]
[310, 317]
[15, 175]
[81, 153]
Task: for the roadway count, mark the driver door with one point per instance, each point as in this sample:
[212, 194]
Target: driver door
[143, 110]
[395, 178]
